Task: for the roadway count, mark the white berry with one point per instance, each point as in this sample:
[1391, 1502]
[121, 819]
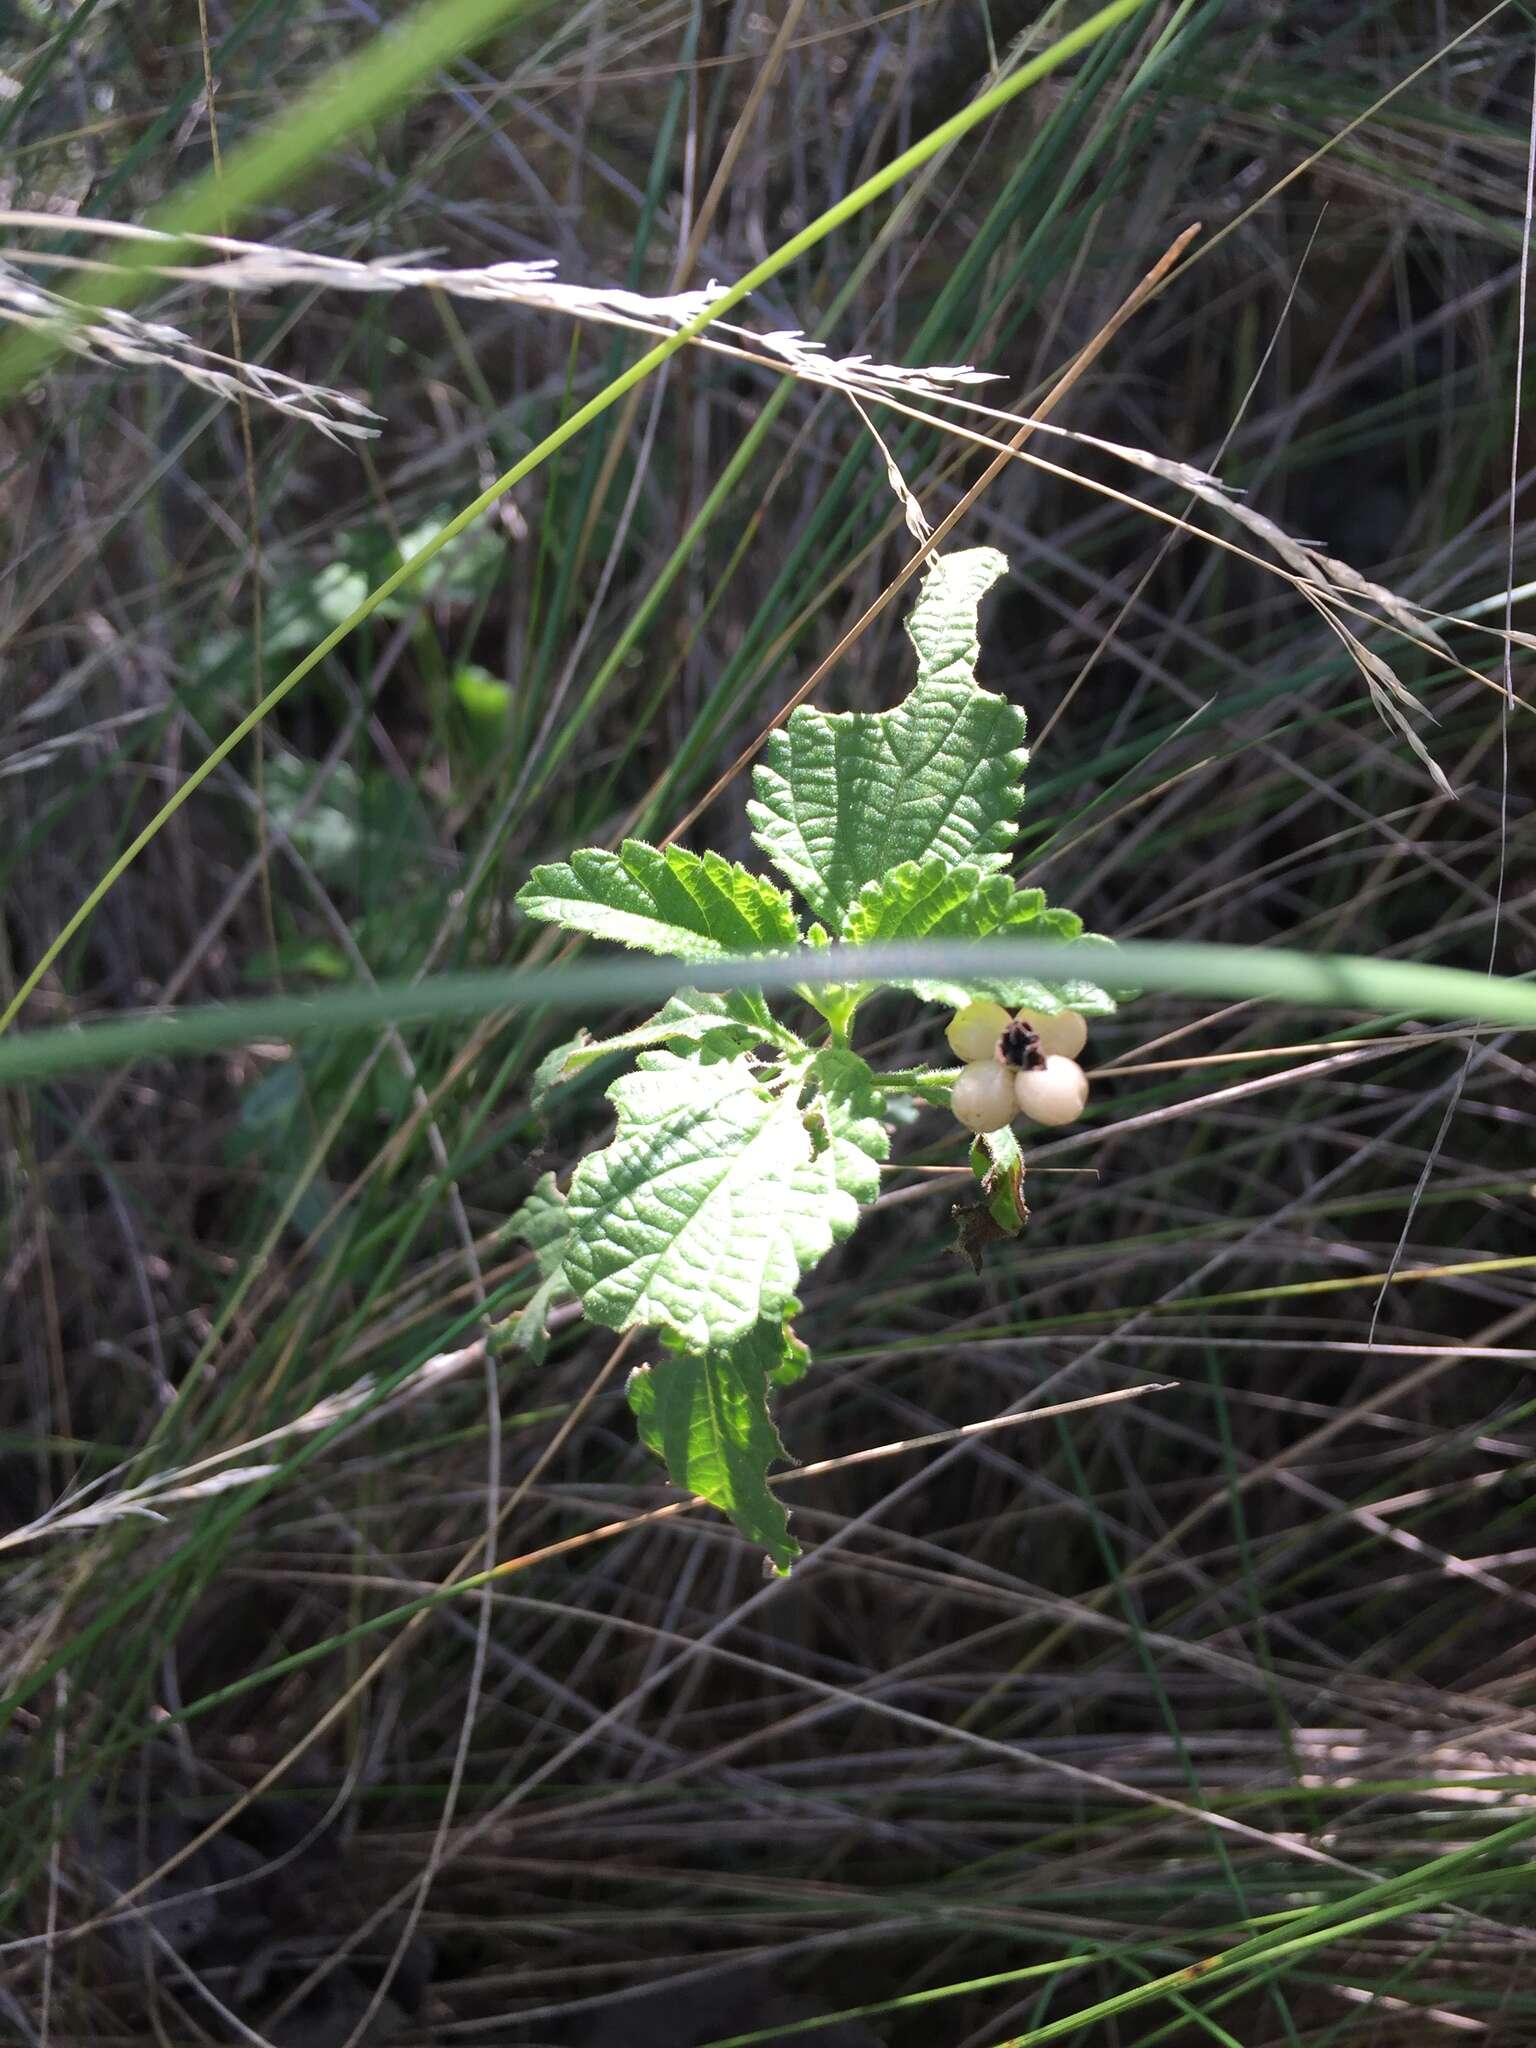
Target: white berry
[1064, 1032]
[974, 1031]
[983, 1096]
[1056, 1093]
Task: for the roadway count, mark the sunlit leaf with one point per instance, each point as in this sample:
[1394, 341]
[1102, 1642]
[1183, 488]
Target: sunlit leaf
[693, 906]
[843, 798]
[712, 1200]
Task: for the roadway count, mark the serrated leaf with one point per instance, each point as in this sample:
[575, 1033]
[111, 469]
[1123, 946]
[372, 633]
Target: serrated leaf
[997, 1160]
[543, 1223]
[702, 1214]
[923, 897]
[1000, 1150]
[857, 1139]
[842, 798]
[836, 1001]
[692, 906]
[1024, 991]
[721, 1025]
[550, 1072]
[932, 899]
[1002, 1213]
[705, 1415]
[793, 1361]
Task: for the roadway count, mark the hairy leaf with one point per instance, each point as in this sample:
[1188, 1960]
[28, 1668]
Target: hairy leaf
[843, 798]
[848, 1110]
[693, 906]
[932, 899]
[997, 1160]
[711, 1201]
[720, 1025]
[705, 1415]
[544, 1223]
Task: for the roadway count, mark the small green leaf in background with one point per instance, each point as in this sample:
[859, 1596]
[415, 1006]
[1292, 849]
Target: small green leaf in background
[461, 573]
[485, 704]
[688, 905]
[841, 799]
[300, 611]
[705, 1415]
[710, 1203]
[328, 834]
[311, 602]
[268, 1138]
[298, 960]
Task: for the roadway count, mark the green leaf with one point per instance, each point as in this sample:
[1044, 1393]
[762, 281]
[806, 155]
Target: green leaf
[998, 1164]
[485, 707]
[463, 572]
[705, 1415]
[848, 1107]
[920, 898]
[843, 798]
[1000, 1149]
[702, 1214]
[997, 1160]
[793, 1361]
[543, 1222]
[297, 959]
[551, 1070]
[695, 907]
[482, 697]
[836, 1002]
[931, 899]
[721, 1025]
[328, 833]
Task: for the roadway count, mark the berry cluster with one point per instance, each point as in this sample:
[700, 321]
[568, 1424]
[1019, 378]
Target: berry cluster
[1020, 1065]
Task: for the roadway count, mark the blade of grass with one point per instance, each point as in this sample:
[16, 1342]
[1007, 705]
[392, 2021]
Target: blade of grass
[1324, 981]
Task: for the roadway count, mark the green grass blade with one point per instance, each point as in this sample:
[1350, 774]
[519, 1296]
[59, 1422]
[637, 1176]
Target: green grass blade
[1314, 981]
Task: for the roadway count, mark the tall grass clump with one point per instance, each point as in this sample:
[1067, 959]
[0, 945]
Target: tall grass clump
[443, 451]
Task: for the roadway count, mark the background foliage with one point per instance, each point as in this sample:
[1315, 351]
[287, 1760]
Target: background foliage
[1048, 1714]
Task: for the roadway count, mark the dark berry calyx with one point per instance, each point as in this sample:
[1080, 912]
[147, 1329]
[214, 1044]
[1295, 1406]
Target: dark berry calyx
[1020, 1047]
